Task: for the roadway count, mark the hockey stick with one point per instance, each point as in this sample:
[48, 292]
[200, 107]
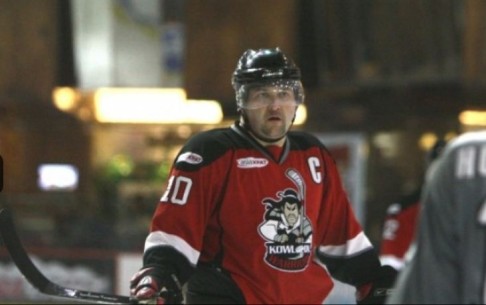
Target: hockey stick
[297, 179]
[37, 279]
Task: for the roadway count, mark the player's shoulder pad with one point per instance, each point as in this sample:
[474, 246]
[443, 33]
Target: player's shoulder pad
[471, 138]
[301, 140]
[304, 140]
[448, 157]
[203, 148]
[468, 138]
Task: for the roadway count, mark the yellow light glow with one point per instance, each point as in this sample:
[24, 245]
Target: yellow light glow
[203, 112]
[473, 118]
[139, 105]
[301, 115]
[65, 98]
[157, 106]
[427, 140]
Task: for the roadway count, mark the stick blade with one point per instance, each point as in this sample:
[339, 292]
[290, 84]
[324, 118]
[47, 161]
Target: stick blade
[19, 256]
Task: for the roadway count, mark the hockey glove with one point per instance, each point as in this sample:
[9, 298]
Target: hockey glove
[380, 289]
[155, 285]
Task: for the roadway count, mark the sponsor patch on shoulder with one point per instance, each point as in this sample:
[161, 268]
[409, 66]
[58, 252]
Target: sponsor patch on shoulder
[190, 157]
[251, 162]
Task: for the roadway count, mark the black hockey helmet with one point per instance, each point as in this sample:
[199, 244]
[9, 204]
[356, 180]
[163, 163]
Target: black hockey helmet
[265, 66]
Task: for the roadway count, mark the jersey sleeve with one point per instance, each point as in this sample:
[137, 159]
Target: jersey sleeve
[398, 233]
[344, 248]
[430, 274]
[193, 191]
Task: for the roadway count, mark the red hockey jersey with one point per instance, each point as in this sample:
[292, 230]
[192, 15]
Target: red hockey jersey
[277, 226]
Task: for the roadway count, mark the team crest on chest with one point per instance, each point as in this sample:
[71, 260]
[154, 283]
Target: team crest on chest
[286, 228]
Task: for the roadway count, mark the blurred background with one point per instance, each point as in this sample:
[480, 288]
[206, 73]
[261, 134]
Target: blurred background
[97, 97]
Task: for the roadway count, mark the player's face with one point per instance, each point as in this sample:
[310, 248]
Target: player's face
[270, 111]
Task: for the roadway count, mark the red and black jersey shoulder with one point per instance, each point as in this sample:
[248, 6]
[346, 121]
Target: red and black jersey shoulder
[207, 146]
[303, 140]
[300, 140]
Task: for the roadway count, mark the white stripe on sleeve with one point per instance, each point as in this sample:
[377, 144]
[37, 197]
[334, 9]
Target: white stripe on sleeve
[352, 247]
[159, 238]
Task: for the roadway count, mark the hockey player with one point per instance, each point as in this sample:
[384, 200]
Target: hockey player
[447, 264]
[254, 213]
[401, 220]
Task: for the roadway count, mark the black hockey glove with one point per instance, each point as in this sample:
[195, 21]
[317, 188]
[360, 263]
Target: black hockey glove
[380, 289]
[154, 285]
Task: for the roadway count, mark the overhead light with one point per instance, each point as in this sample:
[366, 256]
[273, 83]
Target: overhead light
[65, 98]
[427, 140]
[139, 105]
[202, 112]
[473, 118]
[153, 105]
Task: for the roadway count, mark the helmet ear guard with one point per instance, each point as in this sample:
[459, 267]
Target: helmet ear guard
[265, 67]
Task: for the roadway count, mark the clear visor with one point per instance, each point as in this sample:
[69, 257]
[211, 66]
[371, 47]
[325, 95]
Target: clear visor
[259, 95]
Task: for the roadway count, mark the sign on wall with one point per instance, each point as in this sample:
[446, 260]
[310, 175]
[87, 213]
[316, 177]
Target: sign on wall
[126, 43]
[349, 151]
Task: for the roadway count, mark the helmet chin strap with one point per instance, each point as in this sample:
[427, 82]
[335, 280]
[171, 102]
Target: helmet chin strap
[245, 123]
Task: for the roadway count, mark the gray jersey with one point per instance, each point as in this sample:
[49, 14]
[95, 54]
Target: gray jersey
[448, 262]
